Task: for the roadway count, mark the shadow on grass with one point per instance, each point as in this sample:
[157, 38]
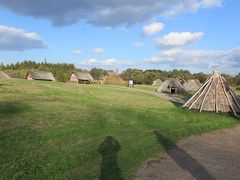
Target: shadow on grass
[13, 107]
[109, 167]
[5, 85]
[183, 159]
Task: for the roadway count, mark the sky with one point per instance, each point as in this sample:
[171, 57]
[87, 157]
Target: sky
[196, 35]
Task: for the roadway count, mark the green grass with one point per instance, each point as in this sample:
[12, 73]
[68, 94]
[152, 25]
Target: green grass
[146, 87]
[67, 131]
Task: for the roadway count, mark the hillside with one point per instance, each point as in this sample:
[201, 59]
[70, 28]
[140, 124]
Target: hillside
[51, 130]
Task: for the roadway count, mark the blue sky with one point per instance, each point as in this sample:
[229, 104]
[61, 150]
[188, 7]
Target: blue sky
[197, 35]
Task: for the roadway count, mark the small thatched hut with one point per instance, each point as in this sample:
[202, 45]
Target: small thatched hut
[157, 82]
[192, 85]
[215, 95]
[3, 75]
[171, 86]
[80, 78]
[44, 76]
[112, 78]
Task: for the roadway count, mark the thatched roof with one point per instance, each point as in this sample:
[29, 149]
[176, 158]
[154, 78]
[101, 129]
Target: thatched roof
[83, 76]
[157, 82]
[3, 75]
[192, 85]
[47, 76]
[112, 78]
[215, 95]
[169, 84]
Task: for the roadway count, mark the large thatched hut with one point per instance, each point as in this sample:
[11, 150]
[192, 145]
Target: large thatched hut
[157, 82]
[80, 78]
[44, 76]
[171, 86]
[3, 75]
[192, 85]
[215, 95]
[112, 78]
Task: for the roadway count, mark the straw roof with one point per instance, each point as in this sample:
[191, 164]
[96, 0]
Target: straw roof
[47, 76]
[170, 84]
[215, 95]
[112, 78]
[3, 75]
[83, 76]
[192, 85]
[157, 82]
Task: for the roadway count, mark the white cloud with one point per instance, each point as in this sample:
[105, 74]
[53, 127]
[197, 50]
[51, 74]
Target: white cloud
[104, 13]
[97, 50]
[218, 59]
[138, 44]
[152, 28]
[106, 62]
[176, 39]
[13, 39]
[210, 3]
[77, 52]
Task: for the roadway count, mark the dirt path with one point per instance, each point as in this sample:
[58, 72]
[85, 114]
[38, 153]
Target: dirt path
[214, 155]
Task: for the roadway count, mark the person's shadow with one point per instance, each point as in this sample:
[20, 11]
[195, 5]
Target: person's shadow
[109, 167]
[183, 159]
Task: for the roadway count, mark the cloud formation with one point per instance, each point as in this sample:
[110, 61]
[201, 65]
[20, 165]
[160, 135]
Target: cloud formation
[219, 59]
[104, 13]
[97, 50]
[177, 39]
[13, 39]
[100, 63]
[77, 52]
[138, 44]
[152, 28]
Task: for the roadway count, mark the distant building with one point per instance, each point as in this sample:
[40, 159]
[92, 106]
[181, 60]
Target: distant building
[44, 76]
[3, 75]
[112, 78]
[192, 85]
[80, 78]
[157, 82]
[171, 86]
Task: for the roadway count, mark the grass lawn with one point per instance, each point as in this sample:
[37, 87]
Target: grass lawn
[51, 130]
[146, 87]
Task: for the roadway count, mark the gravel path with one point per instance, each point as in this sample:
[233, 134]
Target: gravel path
[214, 155]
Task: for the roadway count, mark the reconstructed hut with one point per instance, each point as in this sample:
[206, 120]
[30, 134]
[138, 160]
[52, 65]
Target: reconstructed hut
[192, 85]
[215, 95]
[80, 78]
[157, 82]
[171, 86]
[3, 75]
[44, 76]
[112, 78]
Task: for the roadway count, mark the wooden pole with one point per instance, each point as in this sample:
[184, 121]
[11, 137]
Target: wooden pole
[206, 95]
[199, 95]
[216, 96]
[196, 92]
[227, 97]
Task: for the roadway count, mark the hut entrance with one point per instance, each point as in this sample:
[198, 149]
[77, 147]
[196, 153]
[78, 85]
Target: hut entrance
[173, 90]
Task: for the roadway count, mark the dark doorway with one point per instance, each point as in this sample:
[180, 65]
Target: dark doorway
[173, 90]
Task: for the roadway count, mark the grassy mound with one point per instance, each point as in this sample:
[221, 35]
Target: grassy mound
[51, 130]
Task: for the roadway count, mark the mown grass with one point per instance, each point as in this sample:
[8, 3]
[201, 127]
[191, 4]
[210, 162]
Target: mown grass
[67, 131]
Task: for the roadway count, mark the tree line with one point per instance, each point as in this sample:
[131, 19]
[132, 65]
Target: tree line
[62, 72]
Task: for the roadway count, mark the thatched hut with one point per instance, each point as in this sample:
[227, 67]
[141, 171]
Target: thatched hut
[171, 86]
[192, 85]
[157, 82]
[3, 75]
[44, 76]
[215, 95]
[112, 78]
[80, 78]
